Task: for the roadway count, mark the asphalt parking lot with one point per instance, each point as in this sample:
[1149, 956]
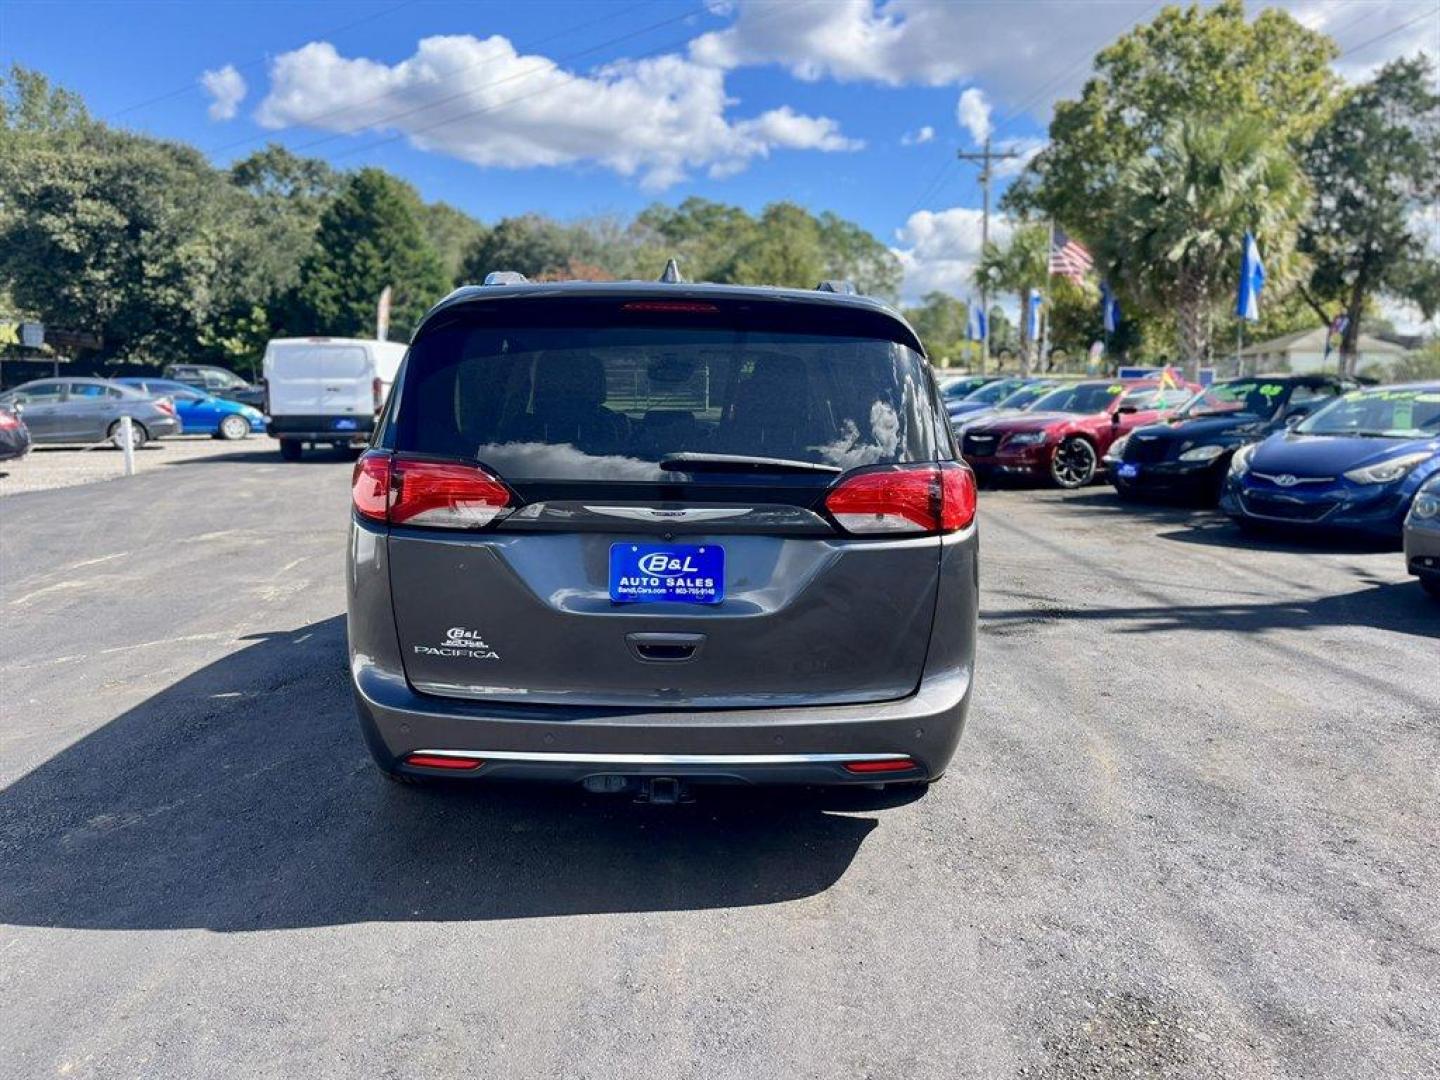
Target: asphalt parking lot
[1191, 831]
[47, 467]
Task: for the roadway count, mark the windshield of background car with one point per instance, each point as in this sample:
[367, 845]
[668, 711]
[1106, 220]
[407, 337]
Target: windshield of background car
[608, 403]
[1256, 398]
[1084, 398]
[1394, 414]
[1023, 397]
[993, 393]
[956, 389]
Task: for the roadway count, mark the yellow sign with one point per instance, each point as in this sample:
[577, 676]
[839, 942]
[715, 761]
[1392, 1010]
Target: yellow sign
[9, 333]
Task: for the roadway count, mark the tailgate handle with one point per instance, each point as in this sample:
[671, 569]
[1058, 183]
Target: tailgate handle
[665, 648]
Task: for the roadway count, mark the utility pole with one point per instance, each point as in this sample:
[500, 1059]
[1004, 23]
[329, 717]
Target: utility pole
[985, 158]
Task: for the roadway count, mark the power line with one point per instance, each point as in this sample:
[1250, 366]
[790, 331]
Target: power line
[190, 86]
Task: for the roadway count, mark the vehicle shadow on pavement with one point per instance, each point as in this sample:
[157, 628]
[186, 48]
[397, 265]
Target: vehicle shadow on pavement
[1401, 607]
[241, 798]
[1207, 525]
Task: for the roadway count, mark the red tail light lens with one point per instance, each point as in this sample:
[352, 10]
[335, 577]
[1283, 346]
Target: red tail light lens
[370, 485]
[164, 404]
[905, 499]
[445, 494]
[440, 494]
[7, 421]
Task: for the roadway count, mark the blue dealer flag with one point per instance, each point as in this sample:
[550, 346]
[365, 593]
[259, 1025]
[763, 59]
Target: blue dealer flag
[1252, 281]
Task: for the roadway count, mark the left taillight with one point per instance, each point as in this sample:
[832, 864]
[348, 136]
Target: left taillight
[898, 499]
[434, 494]
[7, 421]
[370, 486]
[165, 404]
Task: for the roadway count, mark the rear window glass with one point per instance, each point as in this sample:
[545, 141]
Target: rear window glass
[319, 361]
[576, 403]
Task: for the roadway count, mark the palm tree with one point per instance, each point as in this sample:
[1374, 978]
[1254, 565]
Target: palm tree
[1021, 265]
[1174, 242]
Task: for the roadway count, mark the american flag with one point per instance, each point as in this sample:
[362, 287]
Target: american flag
[1068, 258]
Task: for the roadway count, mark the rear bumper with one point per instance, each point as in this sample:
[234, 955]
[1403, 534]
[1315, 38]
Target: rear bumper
[320, 428]
[163, 427]
[567, 743]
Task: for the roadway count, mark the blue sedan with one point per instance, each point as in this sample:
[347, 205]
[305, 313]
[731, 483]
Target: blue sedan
[1353, 465]
[201, 413]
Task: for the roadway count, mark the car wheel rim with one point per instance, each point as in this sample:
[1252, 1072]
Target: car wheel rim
[1074, 462]
[232, 427]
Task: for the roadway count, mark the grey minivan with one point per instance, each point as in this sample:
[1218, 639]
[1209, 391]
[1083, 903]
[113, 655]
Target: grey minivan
[647, 535]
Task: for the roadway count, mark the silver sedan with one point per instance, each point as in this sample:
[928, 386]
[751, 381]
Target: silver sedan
[88, 410]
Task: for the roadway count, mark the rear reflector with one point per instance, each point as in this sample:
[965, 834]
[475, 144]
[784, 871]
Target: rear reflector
[438, 494]
[896, 765]
[437, 761]
[897, 499]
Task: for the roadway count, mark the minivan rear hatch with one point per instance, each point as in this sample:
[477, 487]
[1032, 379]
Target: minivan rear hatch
[666, 540]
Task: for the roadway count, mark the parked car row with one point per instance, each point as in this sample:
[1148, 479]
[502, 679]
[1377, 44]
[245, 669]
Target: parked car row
[1272, 451]
[89, 410]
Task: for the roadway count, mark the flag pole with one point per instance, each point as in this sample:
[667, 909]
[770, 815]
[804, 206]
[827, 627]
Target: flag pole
[1046, 302]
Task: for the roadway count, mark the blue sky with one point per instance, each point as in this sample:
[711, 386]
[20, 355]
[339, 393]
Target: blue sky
[576, 109]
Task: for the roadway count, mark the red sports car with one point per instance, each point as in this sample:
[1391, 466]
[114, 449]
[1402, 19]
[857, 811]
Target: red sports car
[1063, 436]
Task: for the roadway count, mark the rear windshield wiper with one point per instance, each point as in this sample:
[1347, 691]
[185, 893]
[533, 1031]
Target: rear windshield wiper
[741, 463]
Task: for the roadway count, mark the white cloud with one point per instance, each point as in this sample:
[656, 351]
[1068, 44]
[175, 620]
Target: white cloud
[227, 89]
[972, 112]
[479, 100]
[1025, 151]
[938, 249]
[918, 138]
[1026, 58]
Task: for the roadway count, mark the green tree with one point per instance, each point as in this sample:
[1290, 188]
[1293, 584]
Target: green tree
[703, 236]
[137, 240]
[1195, 61]
[1017, 267]
[532, 244]
[852, 254]
[940, 321]
[1181, 212]
[452, 233]
[1375, 169]
[784, 249]
[368, 238]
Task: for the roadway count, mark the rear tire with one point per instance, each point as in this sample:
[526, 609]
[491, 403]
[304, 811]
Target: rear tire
[291, 449]
[233, 427]
[1073, 464]
[138, 435]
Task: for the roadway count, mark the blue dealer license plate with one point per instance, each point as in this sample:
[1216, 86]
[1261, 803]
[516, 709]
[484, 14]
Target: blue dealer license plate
[345, 424]
[1128, 472]
[679, 573]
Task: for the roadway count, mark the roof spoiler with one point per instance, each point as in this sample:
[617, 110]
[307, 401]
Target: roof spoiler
[844, 288]
[506, 277]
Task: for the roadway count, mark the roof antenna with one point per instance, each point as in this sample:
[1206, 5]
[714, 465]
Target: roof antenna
[672, 275]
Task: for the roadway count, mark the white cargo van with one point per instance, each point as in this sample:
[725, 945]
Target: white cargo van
[326, 390]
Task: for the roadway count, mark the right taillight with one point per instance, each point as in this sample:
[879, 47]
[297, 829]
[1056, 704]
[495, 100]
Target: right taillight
[436, 494]
[932, 498]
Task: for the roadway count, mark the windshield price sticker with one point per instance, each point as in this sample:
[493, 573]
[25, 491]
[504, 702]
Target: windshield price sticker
[1271, 390]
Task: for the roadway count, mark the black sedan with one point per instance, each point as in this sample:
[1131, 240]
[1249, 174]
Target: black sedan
[14, 435]
[1188, 455]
